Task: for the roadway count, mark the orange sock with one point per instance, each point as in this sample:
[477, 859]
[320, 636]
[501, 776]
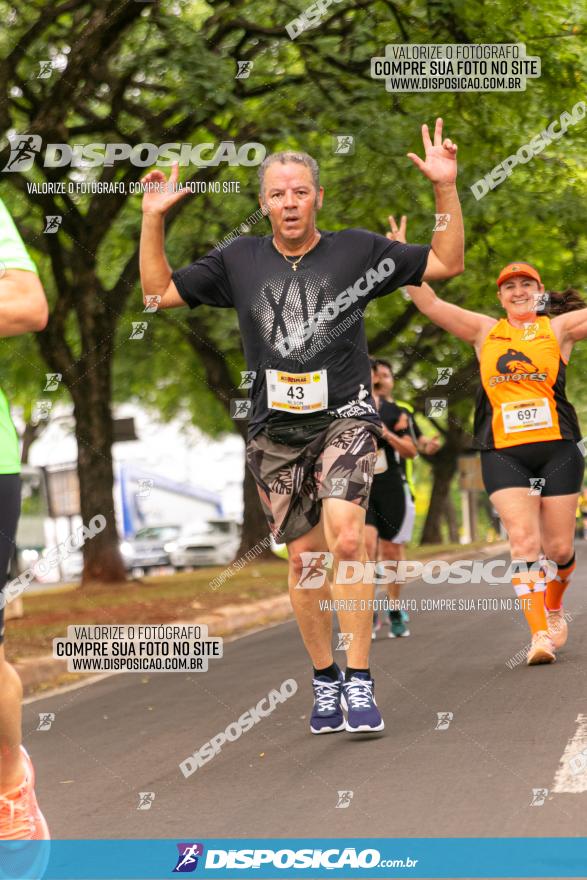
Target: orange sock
[556, 587]
[530, 587]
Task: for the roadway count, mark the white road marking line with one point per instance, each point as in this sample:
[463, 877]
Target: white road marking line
[571, 777]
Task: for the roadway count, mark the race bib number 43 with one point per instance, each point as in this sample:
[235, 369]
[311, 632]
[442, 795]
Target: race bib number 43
[526, 415]
[297, 392]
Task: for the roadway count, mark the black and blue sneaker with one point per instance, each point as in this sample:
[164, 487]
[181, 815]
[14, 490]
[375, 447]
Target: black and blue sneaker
[363, 716]
[327, 714]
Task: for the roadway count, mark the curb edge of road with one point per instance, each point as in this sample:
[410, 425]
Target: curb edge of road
[229, 620]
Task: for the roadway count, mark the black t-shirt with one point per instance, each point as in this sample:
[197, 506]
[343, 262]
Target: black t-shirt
[390, 414]
[309, 319]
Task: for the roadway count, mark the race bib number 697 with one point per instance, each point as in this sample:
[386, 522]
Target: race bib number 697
[526, 415]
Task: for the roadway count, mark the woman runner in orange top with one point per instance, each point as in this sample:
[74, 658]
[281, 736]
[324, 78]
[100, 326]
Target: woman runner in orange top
[527, 431]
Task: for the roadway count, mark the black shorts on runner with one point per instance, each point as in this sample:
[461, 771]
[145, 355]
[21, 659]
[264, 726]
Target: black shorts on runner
[558, 462]
[387, 506]
[9, 513]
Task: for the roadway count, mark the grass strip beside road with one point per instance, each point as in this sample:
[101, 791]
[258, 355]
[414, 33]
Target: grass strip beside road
[154, 599]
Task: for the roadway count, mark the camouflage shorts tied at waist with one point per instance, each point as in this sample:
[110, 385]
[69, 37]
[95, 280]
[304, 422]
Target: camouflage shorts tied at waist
[292, 481]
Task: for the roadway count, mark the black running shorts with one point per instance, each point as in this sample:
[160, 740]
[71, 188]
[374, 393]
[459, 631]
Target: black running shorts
[9, 513]
[550, 467]
[387, 505]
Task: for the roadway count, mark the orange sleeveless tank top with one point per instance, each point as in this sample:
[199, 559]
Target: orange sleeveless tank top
[522, 397]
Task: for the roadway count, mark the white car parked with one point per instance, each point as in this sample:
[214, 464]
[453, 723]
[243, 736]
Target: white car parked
[214, 542]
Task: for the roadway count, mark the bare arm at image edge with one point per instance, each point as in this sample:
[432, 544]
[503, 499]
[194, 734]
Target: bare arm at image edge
[23, 306]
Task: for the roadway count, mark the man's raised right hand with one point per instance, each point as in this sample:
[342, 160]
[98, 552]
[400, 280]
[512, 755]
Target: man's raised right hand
[164, 192]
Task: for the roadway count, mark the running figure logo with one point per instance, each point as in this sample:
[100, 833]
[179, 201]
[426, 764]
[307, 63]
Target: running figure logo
[46, 719]
[435, 406]
[41, 411]
[339, 485]
[243, 69]
[443, 375]
[139, 329]
[444, 719]
[541, 301]
[530, 331]
[240, 408]
[536, 485]
[45, 70]
[539, 795]
[344, 144]
[344, 641]
[247, 379]
[441, 222]
[52, 222]
[152, 303]
[145, 487]
[344, 799]
[188, 857]
[578, 762]
[23, 151]
[314, 570]
[146, 799]
[52, 381]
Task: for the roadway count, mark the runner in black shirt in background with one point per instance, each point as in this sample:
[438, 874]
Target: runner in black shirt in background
[300, 295]
[388, 510]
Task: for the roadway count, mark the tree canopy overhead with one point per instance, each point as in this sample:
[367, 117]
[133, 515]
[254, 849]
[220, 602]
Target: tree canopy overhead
[165, 72]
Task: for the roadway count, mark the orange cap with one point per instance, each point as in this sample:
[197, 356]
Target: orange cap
[513, 269]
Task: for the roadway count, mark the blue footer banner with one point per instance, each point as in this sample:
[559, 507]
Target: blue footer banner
[368, 858]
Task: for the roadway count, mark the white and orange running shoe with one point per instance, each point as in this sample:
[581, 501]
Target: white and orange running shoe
[20, 816]
[558, 629]
[542, 649]
[24, 835]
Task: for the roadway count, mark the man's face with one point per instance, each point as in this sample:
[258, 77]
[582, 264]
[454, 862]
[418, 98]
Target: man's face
[382, 380]
[292, 200]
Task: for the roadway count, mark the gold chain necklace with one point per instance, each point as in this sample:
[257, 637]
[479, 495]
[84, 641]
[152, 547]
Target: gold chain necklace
[297, 260]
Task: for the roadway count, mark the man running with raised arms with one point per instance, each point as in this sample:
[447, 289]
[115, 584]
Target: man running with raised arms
[300, 295]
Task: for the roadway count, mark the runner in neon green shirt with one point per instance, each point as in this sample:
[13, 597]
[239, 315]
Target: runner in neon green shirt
[23, 308]
[13, 255]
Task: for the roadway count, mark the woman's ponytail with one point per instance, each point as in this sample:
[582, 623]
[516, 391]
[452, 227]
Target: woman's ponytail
[569, 300]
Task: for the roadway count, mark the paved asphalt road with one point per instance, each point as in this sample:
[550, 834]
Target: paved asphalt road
[126, 734]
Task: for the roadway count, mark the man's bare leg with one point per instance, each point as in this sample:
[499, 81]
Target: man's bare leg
[341, 532]
[344, 527]
[314, 621]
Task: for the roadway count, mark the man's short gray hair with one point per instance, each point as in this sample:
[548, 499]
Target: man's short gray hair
[284, 157]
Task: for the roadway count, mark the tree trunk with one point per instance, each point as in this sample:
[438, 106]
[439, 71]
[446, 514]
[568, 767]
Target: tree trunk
[94, 433]
[88, 378]
[444, 466]
[29, 435]
[443, 469]
[451, 521]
